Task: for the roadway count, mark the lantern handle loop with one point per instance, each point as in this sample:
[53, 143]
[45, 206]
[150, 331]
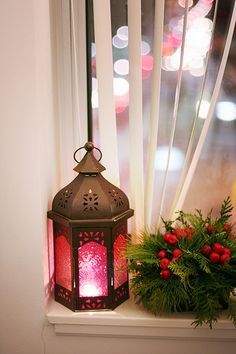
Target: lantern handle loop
[88, 147]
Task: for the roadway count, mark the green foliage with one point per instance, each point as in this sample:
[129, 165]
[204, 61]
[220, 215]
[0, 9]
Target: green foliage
[225, 212]
[191, 280]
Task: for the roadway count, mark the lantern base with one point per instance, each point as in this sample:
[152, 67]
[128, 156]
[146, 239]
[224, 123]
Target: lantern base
[121, 294]
[64, 297]
[98, 303]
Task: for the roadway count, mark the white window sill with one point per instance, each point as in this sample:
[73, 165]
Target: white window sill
[130, 320]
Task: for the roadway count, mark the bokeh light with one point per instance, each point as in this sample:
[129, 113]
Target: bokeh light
[147, 62]
[182, 3]
[204, 108]
[94, 83]
[94, 99]
[121, 86]
[226, 110]
[121, 67]
[176, 159]
[121, 102]
[145, 48]
[197, 40]
[198, 72]
[123, 33]
[146, 74]
[119, 43]
[93, 50]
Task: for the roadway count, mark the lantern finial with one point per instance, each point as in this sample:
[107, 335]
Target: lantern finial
[89, 164]
[89, 146]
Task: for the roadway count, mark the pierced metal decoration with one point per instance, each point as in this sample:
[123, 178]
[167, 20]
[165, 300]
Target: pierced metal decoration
[65, 196]
[90, 228]
[90, 201]
[117, 198]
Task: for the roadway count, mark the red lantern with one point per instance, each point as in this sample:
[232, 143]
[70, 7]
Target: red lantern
[90, 227]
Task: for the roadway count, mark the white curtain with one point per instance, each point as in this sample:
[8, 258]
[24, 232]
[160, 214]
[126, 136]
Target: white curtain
[142, 176]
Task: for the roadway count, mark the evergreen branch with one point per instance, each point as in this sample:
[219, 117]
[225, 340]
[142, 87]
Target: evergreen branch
[225, 211]
[173, 272]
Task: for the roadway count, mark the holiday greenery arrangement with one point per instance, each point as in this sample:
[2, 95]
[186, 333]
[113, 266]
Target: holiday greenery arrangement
[189, 267]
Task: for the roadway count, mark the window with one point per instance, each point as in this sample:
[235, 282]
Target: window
[180, 91]
[185, 97]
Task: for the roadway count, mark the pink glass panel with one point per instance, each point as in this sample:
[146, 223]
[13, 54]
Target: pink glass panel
[63, 262]
[120, 264]
[92, 270]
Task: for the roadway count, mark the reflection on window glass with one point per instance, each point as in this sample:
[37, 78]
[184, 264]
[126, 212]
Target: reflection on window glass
[215, 176]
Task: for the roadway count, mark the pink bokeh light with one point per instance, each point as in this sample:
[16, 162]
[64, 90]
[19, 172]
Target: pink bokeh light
[121, 103]
[147, 62]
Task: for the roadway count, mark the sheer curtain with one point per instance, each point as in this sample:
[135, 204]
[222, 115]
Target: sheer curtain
[148, 88]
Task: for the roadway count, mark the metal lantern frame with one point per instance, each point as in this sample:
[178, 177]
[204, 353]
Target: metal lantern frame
[90, 212]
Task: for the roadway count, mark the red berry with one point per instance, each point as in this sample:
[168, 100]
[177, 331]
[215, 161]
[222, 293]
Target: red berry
[206, 250]
[167, 236]
[227, 227]
[165, 273]
[175, 259]
[214, 257]
[224, 258]
[164, 263]
[188, 233]
[209, 229]
[177, 252]
[173, 239]
[227, 250]
[161, 254]
[218, 248]
[231, 235]
[170, 238]
[179, 233]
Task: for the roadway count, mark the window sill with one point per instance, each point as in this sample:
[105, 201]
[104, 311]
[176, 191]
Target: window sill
[130, 320]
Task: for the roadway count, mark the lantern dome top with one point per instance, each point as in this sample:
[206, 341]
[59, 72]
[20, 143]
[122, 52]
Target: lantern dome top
[90, 196]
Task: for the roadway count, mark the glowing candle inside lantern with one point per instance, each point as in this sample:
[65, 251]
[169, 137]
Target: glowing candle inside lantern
[92, 259]
[89, 290]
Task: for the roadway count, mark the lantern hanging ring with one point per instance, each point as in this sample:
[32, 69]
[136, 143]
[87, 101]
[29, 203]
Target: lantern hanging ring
[88, 147]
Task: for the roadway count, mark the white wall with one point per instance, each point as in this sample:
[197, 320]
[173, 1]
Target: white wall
[28, 169]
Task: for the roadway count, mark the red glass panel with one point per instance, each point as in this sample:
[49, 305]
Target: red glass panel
[93, 277]
[63, 262]
[120, 263]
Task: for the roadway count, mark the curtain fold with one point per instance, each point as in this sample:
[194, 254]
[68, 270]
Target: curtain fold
[106, 100]
[208, 120]
[175, 110]
[192, 135]
[78, 82]
[154, 111]
[135, 115]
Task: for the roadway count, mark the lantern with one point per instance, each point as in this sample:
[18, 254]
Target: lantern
[90, 227]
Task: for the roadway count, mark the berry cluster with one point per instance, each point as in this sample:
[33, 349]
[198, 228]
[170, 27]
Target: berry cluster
[167, 257]
[186, 233]
[217, 253]
[190, 266]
